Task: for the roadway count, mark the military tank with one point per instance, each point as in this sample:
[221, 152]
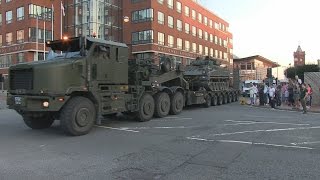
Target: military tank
[207, 74]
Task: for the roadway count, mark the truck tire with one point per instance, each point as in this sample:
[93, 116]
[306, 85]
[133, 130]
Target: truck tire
[78, 116]
[230, 98]
[214, 100]
[207, 104]
[233, 98]
[41, 122]
[166, 65]
[177, 102]
[146, 108]
[236, 97]
[225, 99]
[220, 100]
[162, 105]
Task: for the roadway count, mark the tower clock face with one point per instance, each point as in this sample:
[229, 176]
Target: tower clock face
[295, 59]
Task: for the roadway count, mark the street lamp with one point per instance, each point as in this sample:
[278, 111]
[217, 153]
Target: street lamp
[126, 19]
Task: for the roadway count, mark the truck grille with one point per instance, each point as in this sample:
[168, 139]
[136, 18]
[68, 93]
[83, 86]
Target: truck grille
[21, 79]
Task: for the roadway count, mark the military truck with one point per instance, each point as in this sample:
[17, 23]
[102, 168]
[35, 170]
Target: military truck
[86, 78]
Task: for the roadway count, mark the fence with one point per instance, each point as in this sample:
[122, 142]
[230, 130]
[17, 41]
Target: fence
[312, 78]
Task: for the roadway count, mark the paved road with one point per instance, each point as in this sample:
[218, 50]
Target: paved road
[225, 142]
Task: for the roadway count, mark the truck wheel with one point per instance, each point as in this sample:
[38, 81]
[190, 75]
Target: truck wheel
[207, 104]
[176, 103]
[225, 99]
[41, 122]
[220, 100]
[146, 108]
[233, 98]
[236, 97]
[162, 105]
[77, 116]
[230, 98]
[214, 100]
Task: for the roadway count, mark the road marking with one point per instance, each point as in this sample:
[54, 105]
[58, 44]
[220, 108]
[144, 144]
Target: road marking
[262, 122]
[180, 118]
[250, 143]
[315, 142]
[119, 129]
[267, 130]
[176, 127]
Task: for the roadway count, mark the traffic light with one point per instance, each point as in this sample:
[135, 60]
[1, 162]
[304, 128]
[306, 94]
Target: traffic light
[269, 72]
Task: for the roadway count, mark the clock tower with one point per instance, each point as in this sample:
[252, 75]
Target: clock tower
[299, 57]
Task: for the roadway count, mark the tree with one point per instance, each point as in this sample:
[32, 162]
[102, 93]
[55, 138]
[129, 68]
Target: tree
[300, 70]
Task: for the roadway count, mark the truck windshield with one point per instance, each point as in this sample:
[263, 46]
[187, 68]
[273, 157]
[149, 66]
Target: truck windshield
[64, 49]
[62, 55]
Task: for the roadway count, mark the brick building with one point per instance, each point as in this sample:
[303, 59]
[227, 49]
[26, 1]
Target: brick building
[181, 28]
[299, 57]
[18, 30]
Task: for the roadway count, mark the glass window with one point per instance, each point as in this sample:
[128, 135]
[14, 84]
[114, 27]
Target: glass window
[200, 49]
[200, 18]
[206, 51]
[5, 61]
[142, 37]
[211, 52]
[200, 33]
[194, 31]
[20, 36]
[206, 36]
[216, 53]
[187, 45]
[170, 4]
[160, 1]
[40, 11]
[20, 57]
[206, 21]
[210, 23]
[0, 18]
[179, 25]
[170, 21]
[215, 39]
[193, 12]
[142, 15]
[179, 43]
[194, 47]
[8, 1]
[9, 38]
[160, 38]
[216, 25]
[187, 28]
[179, 7]
[9, 17]
[170, 41]
[187, 11]
[0, 40]
[20, 13]
[160, 18]
[211, 38]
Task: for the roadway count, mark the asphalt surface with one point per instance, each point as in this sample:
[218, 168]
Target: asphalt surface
[224, 142]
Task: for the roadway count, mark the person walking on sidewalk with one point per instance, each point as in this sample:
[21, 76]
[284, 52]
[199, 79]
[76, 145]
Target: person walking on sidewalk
[272, 93]
[303, 97]
[309, 91]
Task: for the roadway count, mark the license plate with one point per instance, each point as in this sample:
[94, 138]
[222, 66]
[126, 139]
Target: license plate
[18, 100]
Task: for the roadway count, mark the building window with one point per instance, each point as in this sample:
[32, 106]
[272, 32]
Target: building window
[20, 13]
[200, 33]
[0, 18]
[200, 49]
[210, 23]
[249, 66]
[160, 18]
[206, 21]
[41, 33]
[0, 40]
[187, 45]
[211, 52]
[193, 13]
[5, 61]
[179, 25]
[170, 41]
[206, 51]
[216, 25]
[170, 4]
[160, 1]
[194, 47]
[8, 1]
[200, 18]
[9, 17]
[20, 57]
[211, 38]
[20, 36]
[220, 54]
[179, 43]
[206, 36]
[243, 67]
[142, 15]
[216, 53]
[179, 7]
[225, 43]
[160, 38]
[142, 37]
[9, 38]
[187, 11]
[170, 21]
[215, 39]
[220, 41]
[187, 28]
[194, 31]
[40, 11]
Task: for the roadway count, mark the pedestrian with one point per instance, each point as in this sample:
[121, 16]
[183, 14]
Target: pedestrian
[309, 90]
[266, 93]
[303, 97]
[286, 96]
[290, 91]
[255, 91]
[296, 96]
[261, 95]
[251, 91]
[298, 80]
[272, 92]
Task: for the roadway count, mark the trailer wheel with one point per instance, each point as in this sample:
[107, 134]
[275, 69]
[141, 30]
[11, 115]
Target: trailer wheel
[225, 99]
[39, 122]
[162, 105]
[233, 97]
[220, 100]
[146, 108]
[176, 103]
[230, 98]
[77, 116]
[214, 100]
[207, 104]
[236, 97]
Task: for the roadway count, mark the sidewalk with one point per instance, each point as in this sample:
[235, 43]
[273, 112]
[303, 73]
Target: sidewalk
[3, 101]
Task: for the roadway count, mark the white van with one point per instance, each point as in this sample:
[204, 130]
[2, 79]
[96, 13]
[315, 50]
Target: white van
[246, 86]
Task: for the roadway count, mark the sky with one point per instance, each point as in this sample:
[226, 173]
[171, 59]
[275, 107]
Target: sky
[271, 28]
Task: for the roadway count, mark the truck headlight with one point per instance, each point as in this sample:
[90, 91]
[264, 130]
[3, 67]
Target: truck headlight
[45, 104]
